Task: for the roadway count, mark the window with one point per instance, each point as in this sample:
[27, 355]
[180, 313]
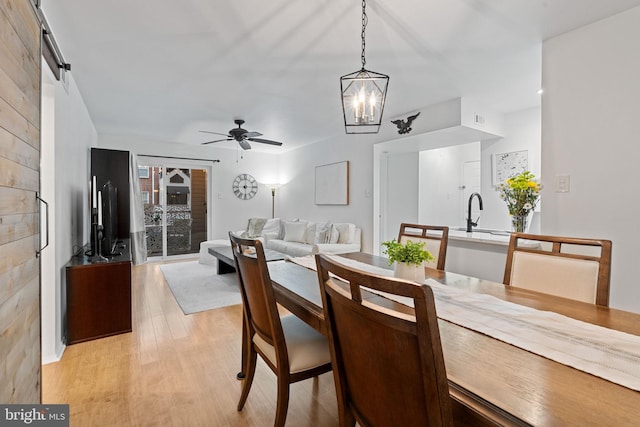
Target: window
[145, 197]
[143, 172]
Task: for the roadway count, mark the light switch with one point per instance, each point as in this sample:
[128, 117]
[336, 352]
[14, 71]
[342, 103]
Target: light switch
[563, 183]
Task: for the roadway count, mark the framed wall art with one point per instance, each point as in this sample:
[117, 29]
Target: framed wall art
[332, 184]
[506, 165]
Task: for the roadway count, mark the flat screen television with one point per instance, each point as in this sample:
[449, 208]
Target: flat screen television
[109, 219]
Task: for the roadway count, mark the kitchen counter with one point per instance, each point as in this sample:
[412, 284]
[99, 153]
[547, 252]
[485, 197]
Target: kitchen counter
[481, 253]
[492, 237]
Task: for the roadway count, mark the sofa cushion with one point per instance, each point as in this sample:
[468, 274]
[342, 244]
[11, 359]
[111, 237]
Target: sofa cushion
[290, 248]
[335, 235]
[254, 227]
[346, 232]
[295, 231]
[310, 237]
[271, 227]
[327, 234]
[278, 245]
[321, 231]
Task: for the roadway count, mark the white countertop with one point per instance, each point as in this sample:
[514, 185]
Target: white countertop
[493, 237]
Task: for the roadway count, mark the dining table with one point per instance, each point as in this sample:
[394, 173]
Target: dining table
[493, 382]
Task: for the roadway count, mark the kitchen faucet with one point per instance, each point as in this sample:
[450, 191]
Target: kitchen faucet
[471, 224]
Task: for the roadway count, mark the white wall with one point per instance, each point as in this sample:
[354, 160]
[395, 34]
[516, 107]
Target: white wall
[590, 112]
[296, 198]
[73, 135]
[521, 132]
[403, 186]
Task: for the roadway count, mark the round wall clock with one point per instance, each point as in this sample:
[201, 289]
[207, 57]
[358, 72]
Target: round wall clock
[245, 186]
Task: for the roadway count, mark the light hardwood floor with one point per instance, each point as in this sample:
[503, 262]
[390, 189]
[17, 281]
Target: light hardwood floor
[175, 370]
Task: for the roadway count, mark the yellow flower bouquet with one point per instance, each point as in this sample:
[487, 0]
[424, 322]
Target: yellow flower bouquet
[521, 193]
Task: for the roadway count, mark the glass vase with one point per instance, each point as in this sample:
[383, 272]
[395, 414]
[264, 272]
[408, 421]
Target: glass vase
[520, 223]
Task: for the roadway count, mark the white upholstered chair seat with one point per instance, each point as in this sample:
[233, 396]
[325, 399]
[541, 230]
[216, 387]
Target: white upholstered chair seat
[306, 347]
[564, 277]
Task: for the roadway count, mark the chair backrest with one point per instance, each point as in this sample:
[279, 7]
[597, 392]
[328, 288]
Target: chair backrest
[258, 298]
[435, 237]
[574, 268]
[388, 365]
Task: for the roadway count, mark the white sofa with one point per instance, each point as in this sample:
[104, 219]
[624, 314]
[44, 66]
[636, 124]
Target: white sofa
[295, 237]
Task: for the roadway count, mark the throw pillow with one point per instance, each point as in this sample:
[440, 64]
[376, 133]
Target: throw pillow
[323, 233]
[311, 233]
[271, 227]
[347, 232]
[335, 235]
[295, 231]
[254, 227]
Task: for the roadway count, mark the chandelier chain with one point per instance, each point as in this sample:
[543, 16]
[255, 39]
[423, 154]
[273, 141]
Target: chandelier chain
[364, 26]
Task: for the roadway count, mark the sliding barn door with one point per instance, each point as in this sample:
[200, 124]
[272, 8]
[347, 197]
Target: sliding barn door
[19, 182]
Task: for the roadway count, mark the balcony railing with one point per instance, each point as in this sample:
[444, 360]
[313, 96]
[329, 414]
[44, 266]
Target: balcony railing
[179, 230]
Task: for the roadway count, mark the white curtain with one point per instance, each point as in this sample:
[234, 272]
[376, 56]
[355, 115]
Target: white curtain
[138, 238]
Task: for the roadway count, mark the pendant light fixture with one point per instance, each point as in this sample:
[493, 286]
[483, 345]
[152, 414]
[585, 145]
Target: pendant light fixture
[363, 94]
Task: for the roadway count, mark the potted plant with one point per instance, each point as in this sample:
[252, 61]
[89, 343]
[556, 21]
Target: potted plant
[409, 258]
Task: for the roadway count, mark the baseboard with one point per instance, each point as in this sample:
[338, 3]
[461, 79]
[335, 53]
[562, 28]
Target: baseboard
[52, 358]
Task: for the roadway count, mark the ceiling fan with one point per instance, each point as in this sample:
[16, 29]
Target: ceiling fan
[242, 136]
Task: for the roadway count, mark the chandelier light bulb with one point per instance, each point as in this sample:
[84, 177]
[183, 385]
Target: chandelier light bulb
[372, 104]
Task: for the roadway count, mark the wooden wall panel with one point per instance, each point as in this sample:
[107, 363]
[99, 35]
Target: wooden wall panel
[22, 19]
[12, 148]
[20, 352]
[15, 175]
[19, 49]
[15, 227]
[12, 121]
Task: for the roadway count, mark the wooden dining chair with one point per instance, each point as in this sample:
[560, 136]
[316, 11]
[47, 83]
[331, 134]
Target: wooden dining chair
[388, 365]
[575, 268]
[293, 350]
[435, 237]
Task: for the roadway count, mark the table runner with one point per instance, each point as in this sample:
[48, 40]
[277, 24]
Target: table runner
[606, 353]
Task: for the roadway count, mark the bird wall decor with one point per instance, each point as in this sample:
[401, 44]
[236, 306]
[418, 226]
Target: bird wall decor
[404, 127]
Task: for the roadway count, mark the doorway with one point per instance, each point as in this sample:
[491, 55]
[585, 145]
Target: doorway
[174, 196]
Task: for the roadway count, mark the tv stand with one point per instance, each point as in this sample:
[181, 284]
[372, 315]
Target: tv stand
[98, 296]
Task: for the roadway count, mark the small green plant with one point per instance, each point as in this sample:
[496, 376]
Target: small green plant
[410, 253]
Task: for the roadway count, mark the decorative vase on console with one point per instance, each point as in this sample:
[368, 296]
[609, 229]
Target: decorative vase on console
[521, 193]
[409, 259]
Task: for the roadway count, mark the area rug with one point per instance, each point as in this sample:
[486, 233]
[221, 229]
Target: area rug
[196, 287]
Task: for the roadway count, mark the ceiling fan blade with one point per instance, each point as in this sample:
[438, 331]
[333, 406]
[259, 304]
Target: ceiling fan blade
[217, 140]
[216, 133]
[265, 141]
[244, 144]
[251, 134]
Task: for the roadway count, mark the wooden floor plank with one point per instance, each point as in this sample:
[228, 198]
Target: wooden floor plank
[175, 370]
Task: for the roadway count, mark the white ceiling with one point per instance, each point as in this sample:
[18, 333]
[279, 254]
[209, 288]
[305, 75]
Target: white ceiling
[166, 69]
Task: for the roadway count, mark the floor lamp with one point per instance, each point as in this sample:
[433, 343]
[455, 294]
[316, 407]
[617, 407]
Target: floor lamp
[273, 188]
